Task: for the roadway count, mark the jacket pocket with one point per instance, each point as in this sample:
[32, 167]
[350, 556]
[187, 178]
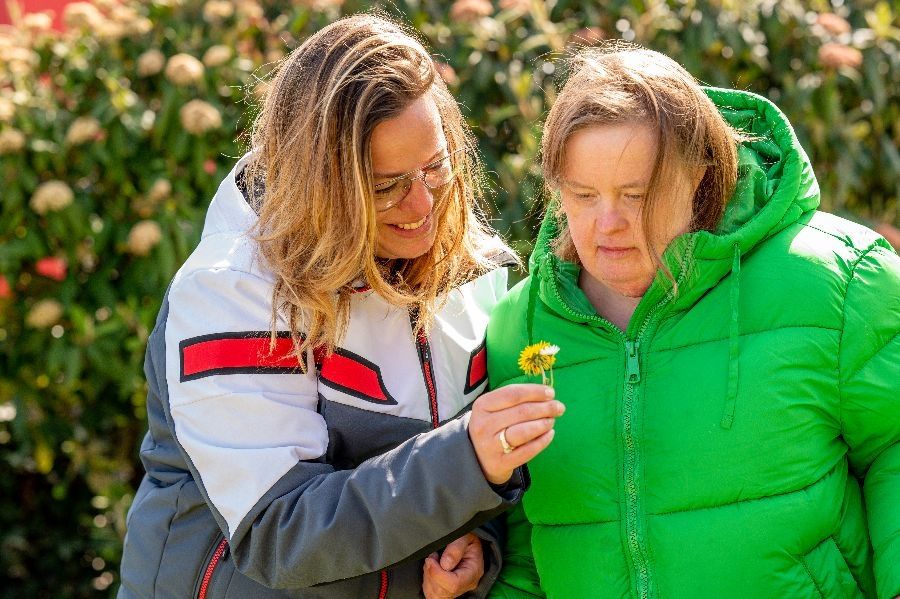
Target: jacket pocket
[828, 570]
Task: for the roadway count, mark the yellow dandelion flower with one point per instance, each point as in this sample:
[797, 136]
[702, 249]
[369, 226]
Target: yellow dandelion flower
[537, 359]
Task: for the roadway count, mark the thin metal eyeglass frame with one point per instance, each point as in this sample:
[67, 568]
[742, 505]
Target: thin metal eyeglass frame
[422, 175]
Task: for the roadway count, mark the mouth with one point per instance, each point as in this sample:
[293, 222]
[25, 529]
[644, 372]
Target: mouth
[412, 226]
[615, 252]
[413, 230]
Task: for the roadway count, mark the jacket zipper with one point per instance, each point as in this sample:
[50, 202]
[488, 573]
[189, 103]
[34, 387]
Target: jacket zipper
[632, 377]
[383, 589]
[638, 554]
[210, 568]
[637, 550]
[428, 374]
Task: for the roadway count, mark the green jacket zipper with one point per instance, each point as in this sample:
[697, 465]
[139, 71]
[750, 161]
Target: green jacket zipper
[632, 512]
[636, 548]
[632, 378]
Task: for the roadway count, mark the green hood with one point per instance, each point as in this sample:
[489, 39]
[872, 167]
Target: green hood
[776, 187]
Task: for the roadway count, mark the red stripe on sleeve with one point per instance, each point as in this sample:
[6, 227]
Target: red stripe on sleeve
[235, 353]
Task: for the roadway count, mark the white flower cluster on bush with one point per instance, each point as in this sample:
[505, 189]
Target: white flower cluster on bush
[143, 237]
[198, 117]
[51, 196]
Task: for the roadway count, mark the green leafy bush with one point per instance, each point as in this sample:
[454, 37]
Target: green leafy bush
[115, 134]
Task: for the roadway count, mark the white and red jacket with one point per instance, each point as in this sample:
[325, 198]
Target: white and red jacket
[329, 483]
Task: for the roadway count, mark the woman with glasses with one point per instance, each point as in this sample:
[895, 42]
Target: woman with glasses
[314, 370]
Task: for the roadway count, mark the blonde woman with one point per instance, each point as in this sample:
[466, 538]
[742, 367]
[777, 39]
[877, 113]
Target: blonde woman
[314, 370]
[729, 356]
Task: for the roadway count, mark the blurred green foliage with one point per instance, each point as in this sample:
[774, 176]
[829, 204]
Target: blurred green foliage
[84, 263]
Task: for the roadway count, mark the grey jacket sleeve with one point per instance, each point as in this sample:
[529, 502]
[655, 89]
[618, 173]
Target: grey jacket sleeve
[317, 525]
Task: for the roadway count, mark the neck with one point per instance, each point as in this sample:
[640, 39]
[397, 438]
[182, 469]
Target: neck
[609, 304]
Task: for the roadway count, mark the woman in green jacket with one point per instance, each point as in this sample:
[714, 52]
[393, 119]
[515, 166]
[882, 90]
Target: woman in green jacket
[728, 356]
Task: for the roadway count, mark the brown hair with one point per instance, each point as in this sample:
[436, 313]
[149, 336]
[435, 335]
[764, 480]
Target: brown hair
[622, 84]
[311, 146]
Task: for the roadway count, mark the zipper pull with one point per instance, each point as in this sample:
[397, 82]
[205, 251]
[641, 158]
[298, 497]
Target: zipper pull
[632, 364]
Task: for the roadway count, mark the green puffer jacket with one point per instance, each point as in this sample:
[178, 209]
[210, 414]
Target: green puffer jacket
[742, 437]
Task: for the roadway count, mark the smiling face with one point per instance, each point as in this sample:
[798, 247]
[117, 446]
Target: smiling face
[604, 183]
[409, 141]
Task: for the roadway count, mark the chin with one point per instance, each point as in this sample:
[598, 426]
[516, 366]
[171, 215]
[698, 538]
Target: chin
[623, 285]
[632, 288]
[633, 293]
[404, 251]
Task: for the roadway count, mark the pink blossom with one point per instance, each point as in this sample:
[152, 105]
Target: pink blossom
[52, 268]
[468, 11]
[447, 73]
[833, 24]
[833, 55]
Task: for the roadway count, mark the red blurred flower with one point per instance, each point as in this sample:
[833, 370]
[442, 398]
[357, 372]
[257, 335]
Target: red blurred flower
[52, 268]
[209, 165]
[5, 289]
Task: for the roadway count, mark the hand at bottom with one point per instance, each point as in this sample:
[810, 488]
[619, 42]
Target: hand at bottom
[457, 570]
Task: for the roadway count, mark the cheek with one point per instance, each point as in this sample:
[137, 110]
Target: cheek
[579, 225]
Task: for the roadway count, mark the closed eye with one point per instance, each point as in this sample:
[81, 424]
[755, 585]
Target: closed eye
[579, 195]
[634, 197]
[386, 187]
[584, 197]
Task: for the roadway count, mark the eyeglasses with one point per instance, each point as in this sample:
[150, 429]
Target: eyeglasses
[433, 175]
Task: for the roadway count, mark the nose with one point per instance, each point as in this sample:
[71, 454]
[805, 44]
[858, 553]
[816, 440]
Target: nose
[419, 200]
[610, 217]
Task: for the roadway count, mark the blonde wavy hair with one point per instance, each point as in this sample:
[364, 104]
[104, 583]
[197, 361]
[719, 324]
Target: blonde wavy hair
[311, 152]
[626, 84]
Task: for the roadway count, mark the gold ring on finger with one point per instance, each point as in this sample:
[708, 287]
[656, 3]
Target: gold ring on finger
[507, 448]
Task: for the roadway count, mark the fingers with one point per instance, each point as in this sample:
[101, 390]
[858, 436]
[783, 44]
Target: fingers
[468, 573]
[486, 425]
[521, 454]
[523, 432]
[526, 404]
[512, 395]
[453, 552]
[439, 583]
[436, 582]
[473, 557]
[527, 412]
